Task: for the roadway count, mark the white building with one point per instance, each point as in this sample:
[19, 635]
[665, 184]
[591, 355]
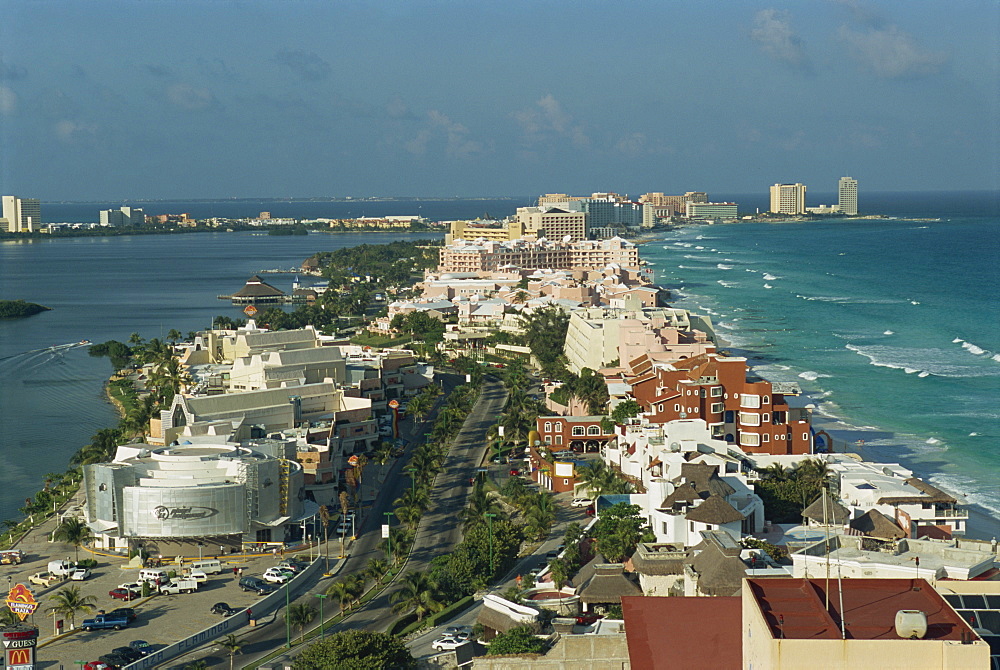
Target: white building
[123, 216]
[209, 492]
[788, 198]
[847, 195]
[20, 215]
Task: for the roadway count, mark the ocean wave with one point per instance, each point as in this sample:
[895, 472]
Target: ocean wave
[699, 247]
[809, 375]
[768, 286]
[921, 362]
[727, 284]
[888, 332]
[849, 300]
[959, 487]
[770, 277]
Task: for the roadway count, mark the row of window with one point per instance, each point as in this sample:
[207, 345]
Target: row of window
[578, 430]
[755, 440]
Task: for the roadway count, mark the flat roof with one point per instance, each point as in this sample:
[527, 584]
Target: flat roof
[695, 633]
[796, 608]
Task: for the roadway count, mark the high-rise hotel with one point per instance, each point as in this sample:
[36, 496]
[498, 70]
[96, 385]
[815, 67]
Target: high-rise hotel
[847, 192]
[20, 215]
[788, 199]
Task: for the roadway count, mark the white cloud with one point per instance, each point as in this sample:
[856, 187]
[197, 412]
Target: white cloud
[547, 120]
[418, 145]
[187, 96]
[73, 131]
[8, 100]
[631, 145]
[891, 53]
[459, 145]
[773, 32]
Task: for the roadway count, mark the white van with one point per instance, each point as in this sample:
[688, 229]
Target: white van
[210, 566]
[196, 575]
[61, 568]
[153, 575]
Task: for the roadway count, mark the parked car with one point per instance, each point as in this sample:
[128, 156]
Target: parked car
[224, 609]
[446, 643]
[126, 612]
[114, 660]
[124, 594]
[97, 665]
[127, 652]
[514, 472]
[131, 586]
[44, 579]
[454, 631]
[346, 525]
[197, 575]
[142, 647]
[291, 566]
[275, 576]
[11, 557]
[257, 585]
[588, 618]
[80, 574]
[105, 621]
[582, 502]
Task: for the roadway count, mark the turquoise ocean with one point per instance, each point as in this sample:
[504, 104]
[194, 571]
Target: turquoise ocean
[891, 328]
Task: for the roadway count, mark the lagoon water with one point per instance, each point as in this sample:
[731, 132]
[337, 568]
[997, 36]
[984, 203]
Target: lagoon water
[889, 327]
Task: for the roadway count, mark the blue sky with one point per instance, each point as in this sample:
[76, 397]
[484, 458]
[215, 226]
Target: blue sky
[295, 98]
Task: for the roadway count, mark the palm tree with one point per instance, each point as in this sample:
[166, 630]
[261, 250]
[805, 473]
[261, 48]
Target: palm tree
[174, 335]
[480, 504]
[414, 497]
[376, 570]
[775, 472]
[232, 645]
[341, 592]
[399, 539]
[540, 516]
[417, 593]
[68, 602]
[356, 586]
[560, 572]
[299, 616]
[419, 407]
[73, 531]
[409, 514]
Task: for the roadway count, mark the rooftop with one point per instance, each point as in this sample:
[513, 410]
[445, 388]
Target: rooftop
[673, 632]
[796, 608]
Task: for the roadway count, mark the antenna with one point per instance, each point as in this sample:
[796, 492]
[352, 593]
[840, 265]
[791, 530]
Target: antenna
[827, 543]
[840, 592]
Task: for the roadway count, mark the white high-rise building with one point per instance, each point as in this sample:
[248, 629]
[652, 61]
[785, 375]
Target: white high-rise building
[20, 215]
[847, 192]
[123, 216]
[788, 199]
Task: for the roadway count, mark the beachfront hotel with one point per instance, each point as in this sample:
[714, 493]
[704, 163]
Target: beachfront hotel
[788, 199]
[847, 196]
[490, 256]
[20, 215]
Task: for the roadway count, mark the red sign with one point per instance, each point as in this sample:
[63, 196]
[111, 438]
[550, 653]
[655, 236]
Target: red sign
[250, 310]
[394, 404]
[21, 602]
[353, 460]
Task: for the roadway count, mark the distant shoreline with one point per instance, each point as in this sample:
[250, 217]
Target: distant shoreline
[19, 309]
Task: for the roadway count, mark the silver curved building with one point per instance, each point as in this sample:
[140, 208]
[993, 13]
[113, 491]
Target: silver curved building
[204, 493]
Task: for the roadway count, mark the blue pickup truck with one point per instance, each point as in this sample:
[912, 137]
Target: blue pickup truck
[105, 621]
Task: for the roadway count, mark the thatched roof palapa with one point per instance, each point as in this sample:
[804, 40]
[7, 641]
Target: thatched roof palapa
[836, 514]
[608, 585]
[715, 511]
[875, 524]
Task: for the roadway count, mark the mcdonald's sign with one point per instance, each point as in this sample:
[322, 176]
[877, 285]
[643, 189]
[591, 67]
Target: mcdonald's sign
[20, 659]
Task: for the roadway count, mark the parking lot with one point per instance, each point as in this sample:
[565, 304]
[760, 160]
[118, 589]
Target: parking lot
[162, 619]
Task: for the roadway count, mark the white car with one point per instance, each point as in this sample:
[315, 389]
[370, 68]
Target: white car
[275, 576]
[80, 574]
[132, 586]
[582, 502]
[446, 643]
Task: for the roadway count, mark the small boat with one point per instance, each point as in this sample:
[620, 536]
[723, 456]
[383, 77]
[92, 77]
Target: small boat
[83, 342]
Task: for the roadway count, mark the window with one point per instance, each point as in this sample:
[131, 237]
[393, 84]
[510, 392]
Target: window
[750, 401]
[805, 436]
[749, 419]
[558, 439]
[702, 393]
[750, 439]
[716, 391]
[767, 400]
[578, 430]
[548, 426]
[593, 430]
[766, 417]
[765, 438]
[548, 439]
[677, 408]
[660, 406]
[718, 407]
[718, 429]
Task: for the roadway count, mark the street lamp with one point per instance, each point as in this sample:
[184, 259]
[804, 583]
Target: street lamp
[388, 531]
[489, 518]
[322, 621]
[288, 619]
[413, 479]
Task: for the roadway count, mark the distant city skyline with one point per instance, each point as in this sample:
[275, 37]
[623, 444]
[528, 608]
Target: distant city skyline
[273, 99]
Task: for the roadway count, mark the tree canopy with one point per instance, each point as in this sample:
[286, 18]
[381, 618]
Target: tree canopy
[356, 650]
[518, 640]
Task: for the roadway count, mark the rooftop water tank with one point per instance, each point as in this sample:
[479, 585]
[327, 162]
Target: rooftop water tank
[911, 624]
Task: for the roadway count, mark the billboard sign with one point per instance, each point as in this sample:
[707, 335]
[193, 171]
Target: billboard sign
[21, 602]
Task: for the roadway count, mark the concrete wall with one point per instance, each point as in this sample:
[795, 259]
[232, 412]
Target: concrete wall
[570, 652]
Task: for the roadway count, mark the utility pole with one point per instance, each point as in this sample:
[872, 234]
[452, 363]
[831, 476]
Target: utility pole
[413, 479]
[388, 532]
[288, 619]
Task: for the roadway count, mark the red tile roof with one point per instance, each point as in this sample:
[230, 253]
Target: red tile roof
[796, 608]
[694, 633]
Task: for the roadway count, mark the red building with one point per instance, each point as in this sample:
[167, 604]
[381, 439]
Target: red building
[577, 433]
[738, 407]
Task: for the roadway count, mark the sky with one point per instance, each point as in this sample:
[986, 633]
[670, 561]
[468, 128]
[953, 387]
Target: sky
[141, 99]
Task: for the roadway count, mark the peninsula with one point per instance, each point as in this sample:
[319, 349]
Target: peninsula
[16, 309]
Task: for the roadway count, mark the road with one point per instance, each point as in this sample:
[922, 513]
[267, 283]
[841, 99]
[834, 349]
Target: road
[448, 498]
